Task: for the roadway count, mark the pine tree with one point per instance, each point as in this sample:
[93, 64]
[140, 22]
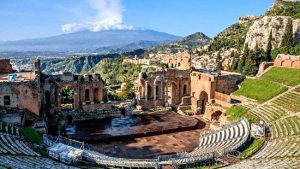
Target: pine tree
[287, 39]
[268, 55]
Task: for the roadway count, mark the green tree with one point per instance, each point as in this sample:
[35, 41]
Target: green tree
[268, 55]
[295, 50]
[218, 58]
[66, 95]
[287, 39]
[250, 67]
[235, 62]
[242, 60]
[219, 65]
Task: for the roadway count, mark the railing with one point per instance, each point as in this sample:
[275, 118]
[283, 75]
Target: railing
[178, 159]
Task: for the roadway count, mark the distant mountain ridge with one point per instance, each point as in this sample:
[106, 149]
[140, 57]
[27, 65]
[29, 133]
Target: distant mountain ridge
[194, 40]
[132, 46]
[87, 41]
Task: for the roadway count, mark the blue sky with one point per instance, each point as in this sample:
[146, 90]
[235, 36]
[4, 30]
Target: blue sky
[22, 19]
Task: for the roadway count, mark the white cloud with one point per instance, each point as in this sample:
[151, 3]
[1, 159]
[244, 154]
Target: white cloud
[109, 15]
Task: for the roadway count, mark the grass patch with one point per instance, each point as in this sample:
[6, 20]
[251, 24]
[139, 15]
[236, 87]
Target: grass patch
[286, 76]
[252, 148]
[235, 113]
[212, 166]
[270, 84]
[260, 90]
[31, 135]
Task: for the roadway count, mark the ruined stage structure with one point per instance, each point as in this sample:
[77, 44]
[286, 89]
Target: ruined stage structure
[186, 89]
[163, 88]
[40, 93]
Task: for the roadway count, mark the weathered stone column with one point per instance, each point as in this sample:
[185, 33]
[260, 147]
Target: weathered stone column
[166, 92]
[161, 89]
[146, 90]
[154, 90]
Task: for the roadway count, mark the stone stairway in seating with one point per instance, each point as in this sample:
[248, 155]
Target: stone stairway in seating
[248, 105]
[282, 115]
[27, 162]
[283, 105]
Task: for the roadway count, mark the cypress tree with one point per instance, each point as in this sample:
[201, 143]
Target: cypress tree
[288, 37]
[219, 61]
[235, 62]
[218, 56]
[268, 56]
[242, 60]
[250, 64]
[219, 65]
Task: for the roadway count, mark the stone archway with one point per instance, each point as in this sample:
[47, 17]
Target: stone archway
[47, 102]
[67, 97]
[141, 95]
[87, 95]
[96, 95]
[201, 103]
[149, 91]
[184, 89]
[173, 93]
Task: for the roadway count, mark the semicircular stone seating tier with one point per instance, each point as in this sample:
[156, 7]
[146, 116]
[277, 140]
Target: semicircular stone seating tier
[14, 145]
[29, 162]
[212, 145]
[282, 115]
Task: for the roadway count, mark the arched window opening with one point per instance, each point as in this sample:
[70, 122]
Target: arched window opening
[6, 100]
[87, 95]
[96, 95]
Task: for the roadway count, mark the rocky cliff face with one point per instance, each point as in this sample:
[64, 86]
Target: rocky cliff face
[258, 34]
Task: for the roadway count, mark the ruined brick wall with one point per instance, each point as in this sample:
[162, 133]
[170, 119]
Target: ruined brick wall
[222, 97]
[263, 66]
[201, 85]
[227, 84]
[93, 107]
[88, 90]
[288, 61]
[23, 95]
[29, 97]
[5, 66]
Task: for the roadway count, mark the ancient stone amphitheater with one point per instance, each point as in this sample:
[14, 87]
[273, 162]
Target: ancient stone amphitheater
[281, 150]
